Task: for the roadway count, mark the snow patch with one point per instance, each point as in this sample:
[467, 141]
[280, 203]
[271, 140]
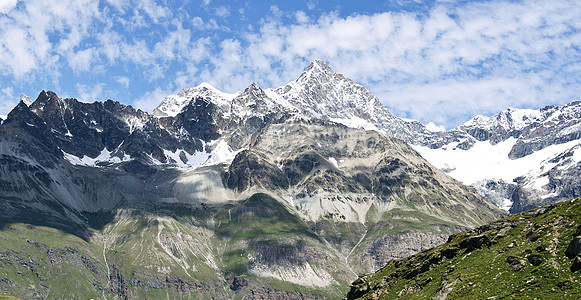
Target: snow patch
[356, 122]
[221, 153]
[104, 158]
[577, 155]
[538, 183]
[571, 129]
[334, 162]
[435, 128]
[183, 159]
[486, 161]
[134, 124]
[25, 99]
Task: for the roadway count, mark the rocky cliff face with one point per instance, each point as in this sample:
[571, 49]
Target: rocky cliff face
[257, 194]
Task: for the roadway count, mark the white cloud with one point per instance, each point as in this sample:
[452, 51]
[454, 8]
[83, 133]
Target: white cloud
[90, 93]
[222, 11]
[7, 5]
[441, 66]
[199, 24]
[81, 60]
[120, 5]
[24, 38]
[175, 44]
[154, 11]
[151, 99]
[8, 100]
[301, 17]
[436, 128]
[124, 81]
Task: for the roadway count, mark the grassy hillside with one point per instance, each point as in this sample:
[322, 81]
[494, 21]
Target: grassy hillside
[254, 248]
[531, 255]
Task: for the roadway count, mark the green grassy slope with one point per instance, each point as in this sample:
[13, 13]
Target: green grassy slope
[520, 257]
[178, 252]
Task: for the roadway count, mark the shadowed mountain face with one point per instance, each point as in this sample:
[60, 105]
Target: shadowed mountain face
[264, 193]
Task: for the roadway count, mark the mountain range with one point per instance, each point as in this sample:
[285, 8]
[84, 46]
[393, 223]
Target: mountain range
[286, 192]
[537, 147]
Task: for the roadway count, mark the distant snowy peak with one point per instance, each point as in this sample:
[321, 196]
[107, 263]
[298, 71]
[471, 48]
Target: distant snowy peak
[509, 119]
[519, 158]
[519, 119]
[533, 129]
[174, 104]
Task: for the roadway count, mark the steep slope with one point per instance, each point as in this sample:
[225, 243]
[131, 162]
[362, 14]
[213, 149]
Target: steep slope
[535, 254]
[215, 196]
[333, 174]
[532, 145]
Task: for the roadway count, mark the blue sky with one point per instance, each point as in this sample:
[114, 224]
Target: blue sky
[434, 61]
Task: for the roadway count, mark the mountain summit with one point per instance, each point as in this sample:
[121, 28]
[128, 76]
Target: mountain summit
[262, 193]
[524, 157]
[319, 92]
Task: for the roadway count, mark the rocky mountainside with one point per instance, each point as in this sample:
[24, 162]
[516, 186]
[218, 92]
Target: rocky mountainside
[537, 147]
[252, 195]
[318, 93]
[523, 158]
[535, 254]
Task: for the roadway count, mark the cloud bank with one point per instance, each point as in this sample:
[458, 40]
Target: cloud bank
[441, 65]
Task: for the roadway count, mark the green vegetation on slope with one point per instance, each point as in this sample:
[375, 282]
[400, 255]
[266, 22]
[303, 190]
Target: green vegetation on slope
[532, 255]
[176, 251]
[40, 262]
[7, 297]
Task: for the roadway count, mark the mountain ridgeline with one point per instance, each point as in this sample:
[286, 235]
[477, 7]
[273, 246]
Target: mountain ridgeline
[525, 158]
[277, 193]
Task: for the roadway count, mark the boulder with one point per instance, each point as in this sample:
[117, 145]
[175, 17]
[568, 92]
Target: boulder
[574, 247]
[516, 263]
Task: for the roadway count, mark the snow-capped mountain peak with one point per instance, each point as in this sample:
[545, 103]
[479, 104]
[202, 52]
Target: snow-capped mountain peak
[509, 119]
[520, 158]
[319, 92]
[174, 104]
[322, 93]
[318, 70]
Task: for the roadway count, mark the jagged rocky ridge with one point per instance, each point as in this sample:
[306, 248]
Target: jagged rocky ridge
[257, 194]
[535, 254]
